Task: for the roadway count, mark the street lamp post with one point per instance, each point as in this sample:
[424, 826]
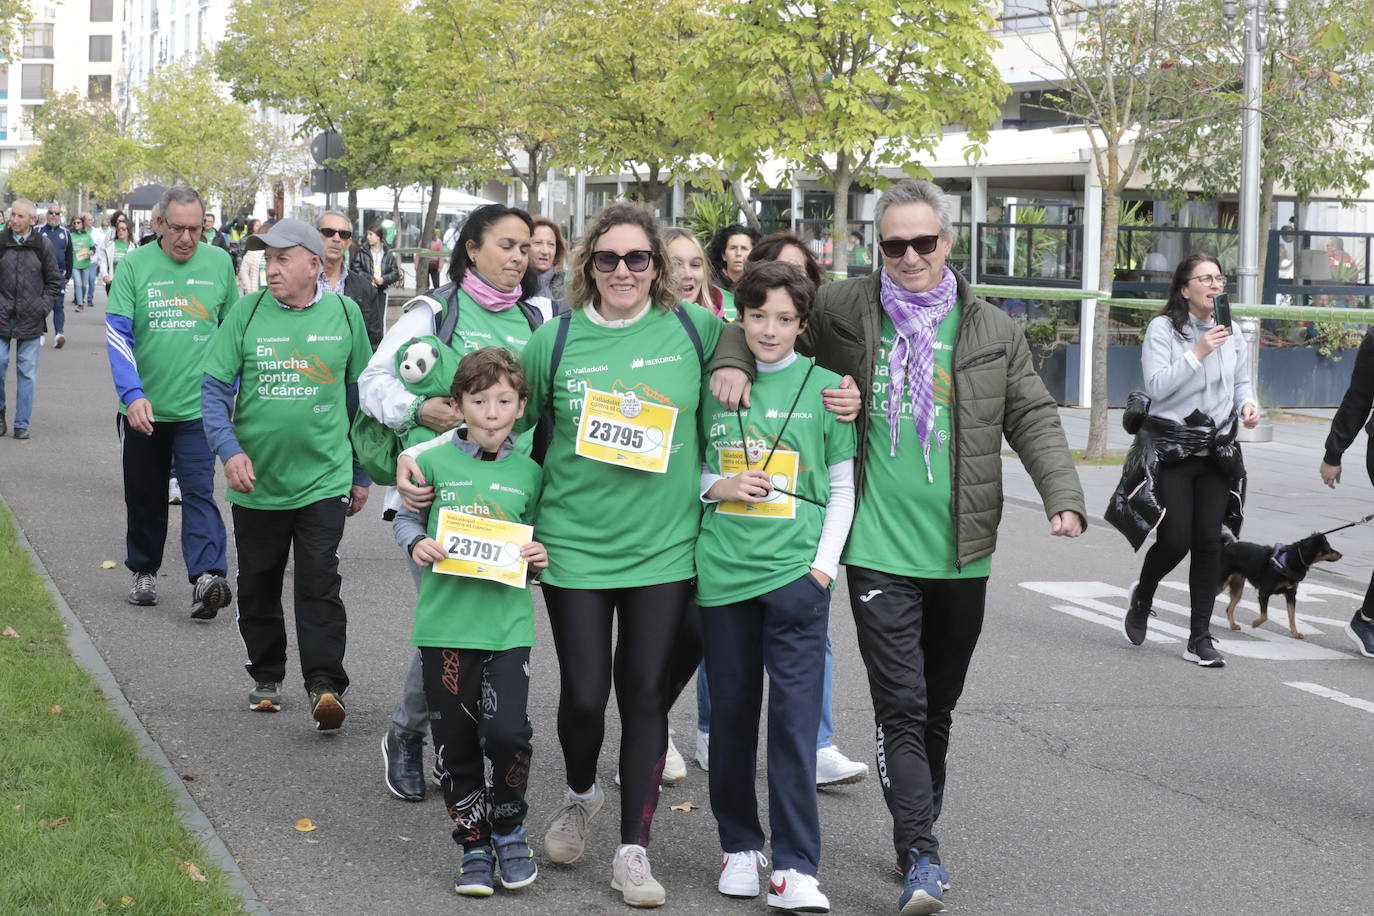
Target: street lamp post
[1254, 36]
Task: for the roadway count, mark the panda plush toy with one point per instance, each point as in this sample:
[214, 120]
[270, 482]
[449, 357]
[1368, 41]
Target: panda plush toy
[426, 367]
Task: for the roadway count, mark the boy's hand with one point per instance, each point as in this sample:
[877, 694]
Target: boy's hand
[428, 552]
[820, 577]
[744, 487]
[845, 401]
[536, 555]
[415, 491]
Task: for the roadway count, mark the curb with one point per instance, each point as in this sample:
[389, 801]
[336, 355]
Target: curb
[84, 651]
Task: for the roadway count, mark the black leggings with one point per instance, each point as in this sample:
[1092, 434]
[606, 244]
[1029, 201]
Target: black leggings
[1368, 607]
[646, 667]
[1194, 495]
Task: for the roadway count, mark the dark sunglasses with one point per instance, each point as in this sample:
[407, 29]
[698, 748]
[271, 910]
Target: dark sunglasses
[344, 234]
[896, 248]
[637, 260]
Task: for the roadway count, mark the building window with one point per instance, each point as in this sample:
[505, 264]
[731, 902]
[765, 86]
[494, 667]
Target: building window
[102, 10]
[4, 123]
[26, 126]
[98, 88]
[4, 82]
[101, 47]
[36, 81]
[38, 40]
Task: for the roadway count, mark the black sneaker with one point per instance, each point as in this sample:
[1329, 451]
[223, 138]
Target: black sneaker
[144, 590]
[3, 428]
[1137, 621]
[1203, 651]
[1361, 631]
[405, 774]
[326, 708]
[211, 593]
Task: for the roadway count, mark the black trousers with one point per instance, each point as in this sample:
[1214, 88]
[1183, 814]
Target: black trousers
[265, 538]
[1194, 495]
[477, 714]
[646, 665]
[916, 637]
[1368, 607]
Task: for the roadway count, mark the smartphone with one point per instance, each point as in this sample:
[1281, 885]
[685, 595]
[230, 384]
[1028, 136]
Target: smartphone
[1222, 304]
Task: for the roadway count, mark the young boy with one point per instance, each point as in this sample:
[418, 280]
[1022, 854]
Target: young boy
[778, 484]
[474, 634]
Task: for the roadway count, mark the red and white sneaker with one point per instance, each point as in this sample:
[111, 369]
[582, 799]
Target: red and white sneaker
[739, 873]
[789, 889]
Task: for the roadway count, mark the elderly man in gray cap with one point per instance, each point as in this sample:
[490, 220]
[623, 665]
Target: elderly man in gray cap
[297, 352]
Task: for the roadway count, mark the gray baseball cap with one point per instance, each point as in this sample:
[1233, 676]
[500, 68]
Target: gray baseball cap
[286, 233]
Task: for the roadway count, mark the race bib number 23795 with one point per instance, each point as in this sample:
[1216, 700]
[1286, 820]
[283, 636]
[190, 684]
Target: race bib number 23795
[621, 429]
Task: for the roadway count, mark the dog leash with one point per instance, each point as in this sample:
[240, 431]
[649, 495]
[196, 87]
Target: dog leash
[1367, 518]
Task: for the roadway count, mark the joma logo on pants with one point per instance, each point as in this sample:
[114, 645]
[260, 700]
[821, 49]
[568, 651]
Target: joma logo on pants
[882, 761]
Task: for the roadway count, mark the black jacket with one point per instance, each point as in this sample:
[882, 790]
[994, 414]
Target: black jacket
[373, 300]
[1134, 508]
[30, 279]
[1353, 414]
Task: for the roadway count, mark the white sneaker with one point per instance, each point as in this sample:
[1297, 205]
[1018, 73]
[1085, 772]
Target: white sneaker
[789, 889]
[739, 873]
[704, 750]
[173, 492]
[674, 767]
[631, 876]
[566, 838]
[833, 768]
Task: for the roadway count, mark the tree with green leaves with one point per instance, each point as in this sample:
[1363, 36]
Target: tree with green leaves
[82, 145]
[14, 16]
[843, 88]
[1121, 74]
[1316, 135]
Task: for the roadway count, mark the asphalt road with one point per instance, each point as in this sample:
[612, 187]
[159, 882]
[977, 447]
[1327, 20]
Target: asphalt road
[1087, 776]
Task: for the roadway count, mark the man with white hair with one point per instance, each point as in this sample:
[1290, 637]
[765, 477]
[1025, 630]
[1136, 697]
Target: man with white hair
[296, 352]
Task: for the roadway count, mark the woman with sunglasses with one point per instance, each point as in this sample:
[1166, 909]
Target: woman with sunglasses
[1197, 381]
[491, 285]
[113, 250]
[621, 376]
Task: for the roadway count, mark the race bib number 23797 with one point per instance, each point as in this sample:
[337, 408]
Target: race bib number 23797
[482, 548]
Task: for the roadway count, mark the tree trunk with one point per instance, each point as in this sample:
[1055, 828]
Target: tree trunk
[1266, 209]
[431, 216]
[1096, 448]
[839, 218]
[353, 210]
[396, 209]
[741, 195]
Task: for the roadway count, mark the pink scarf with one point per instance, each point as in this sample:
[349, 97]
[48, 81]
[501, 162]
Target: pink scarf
[487, 296]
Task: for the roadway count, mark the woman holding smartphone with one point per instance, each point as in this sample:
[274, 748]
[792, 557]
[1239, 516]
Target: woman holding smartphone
[1197, 380]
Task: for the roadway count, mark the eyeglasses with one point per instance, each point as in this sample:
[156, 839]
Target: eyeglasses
[896, 248]
[174, 230]
[344, 234]
[54, 212]
[1210, 279]
[638, 260]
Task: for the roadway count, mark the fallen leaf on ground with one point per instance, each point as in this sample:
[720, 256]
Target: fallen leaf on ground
[58, 822]
[685, 806]
[56, 708]
[126, 902]
[101, 905]
[191, 871]
[305, 825]
[187, 777]
[9, 631]
[108, 564]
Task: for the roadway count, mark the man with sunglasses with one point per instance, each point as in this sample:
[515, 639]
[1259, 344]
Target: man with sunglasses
[166, 302]
[61, 241]
[336, 272]
[946, 377]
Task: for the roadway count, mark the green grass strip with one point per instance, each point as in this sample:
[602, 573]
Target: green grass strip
[87, 824]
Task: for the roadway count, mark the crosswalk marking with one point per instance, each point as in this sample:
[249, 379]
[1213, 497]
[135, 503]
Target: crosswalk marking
[1105, 605]
[1327, 693]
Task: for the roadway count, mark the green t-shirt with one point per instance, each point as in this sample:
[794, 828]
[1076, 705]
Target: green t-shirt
[478, 328]
[174, 309]
[119, 251]
[904, 525]
[462, 613]
[290, 417]
[608, 526]
[83, 250]
[744, 556]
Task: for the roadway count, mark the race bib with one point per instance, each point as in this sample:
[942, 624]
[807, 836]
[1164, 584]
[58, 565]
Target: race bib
[482, 548]
[621, 429]
[782, 468]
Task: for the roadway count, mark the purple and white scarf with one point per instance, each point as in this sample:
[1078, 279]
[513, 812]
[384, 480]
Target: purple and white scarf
[911, 364]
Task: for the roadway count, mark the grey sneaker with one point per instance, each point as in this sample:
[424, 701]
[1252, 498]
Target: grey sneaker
[631, 876]
[211, 593]
[566, 838]
[265, 696]
[144, 590]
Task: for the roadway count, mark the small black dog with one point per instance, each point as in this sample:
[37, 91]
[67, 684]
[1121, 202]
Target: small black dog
[1272, 570]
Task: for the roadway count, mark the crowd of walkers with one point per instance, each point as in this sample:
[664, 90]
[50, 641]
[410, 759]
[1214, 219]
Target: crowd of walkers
[681, 446]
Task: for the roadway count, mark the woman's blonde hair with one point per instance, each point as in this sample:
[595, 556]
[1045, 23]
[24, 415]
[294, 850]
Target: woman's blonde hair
[662, 289]
[703, 298]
